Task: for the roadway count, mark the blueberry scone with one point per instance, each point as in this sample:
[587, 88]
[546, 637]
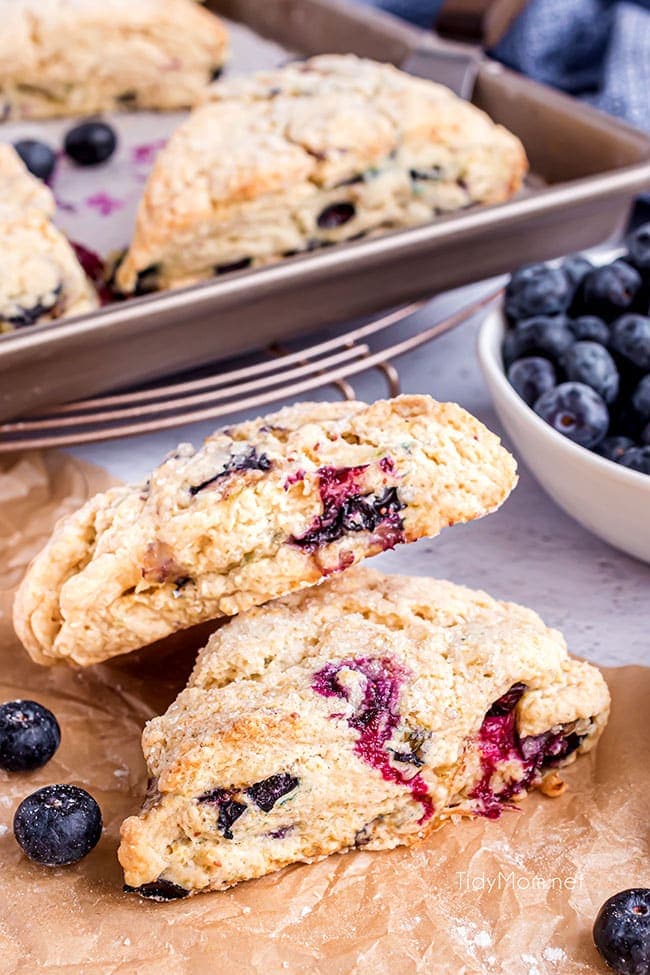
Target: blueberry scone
[311, 154]
[40, 276]
[80, 57]
[361, 713]
[263, 508]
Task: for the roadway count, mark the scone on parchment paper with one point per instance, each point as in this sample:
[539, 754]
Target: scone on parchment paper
[40, 277]
[361, 713]
[314, 153]
[80, 57]
[263, 508]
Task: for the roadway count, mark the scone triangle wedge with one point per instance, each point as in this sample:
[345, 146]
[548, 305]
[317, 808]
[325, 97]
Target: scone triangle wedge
[264, 508]
[361, 713]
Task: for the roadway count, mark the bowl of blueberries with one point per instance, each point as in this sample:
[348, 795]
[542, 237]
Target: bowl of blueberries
[567, 361]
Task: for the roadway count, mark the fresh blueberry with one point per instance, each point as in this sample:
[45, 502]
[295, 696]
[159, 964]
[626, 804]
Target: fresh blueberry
[543, 336]
[576, 411]
[645, 435]
[630, 337]
[576, 267]
[641, 398]
[622, 931]
[531, 377]
[90, 143]
[591, 364]
[637, 459]
[590, 328]
[610, 290]
[58, 824]
[613, 448]
[39, 158]
[537, 289]
[29, 736]
[638, 247]
[335, 215]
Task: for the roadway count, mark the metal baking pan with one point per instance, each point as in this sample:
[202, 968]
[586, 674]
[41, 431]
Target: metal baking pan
[588, 168]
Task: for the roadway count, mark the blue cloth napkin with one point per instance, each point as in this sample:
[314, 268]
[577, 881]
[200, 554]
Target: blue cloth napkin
[598, 50]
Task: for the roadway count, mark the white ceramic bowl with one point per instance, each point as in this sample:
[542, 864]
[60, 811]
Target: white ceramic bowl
[611, 501]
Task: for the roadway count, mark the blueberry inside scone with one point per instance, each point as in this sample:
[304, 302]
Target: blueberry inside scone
[263, 508]
[83, 57]
[315, 153]
[362, 713]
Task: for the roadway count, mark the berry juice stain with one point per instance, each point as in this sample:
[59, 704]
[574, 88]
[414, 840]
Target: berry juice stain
[376, 718]
[499, 742]
[346, 509]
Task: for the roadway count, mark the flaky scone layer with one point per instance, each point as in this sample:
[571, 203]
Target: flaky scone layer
[315, 153]
[362, 713]
[263, 508]
[81, 57]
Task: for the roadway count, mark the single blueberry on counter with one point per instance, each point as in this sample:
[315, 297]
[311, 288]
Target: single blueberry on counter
[543, 336]
[39, 158]
[58, 825]
[589, 328]
[531, 377]
[621, 931]
[29, 736]
[576, 411]
[537, 289]
[591, 364]
[630, 337]
[90, 143]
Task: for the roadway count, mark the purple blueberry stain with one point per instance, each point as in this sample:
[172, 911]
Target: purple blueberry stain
[499, 742]
[104, 203]
[249, 460]
[144, 154]
[229, 809]
[266, 793]
[376, 718]
[346, 509]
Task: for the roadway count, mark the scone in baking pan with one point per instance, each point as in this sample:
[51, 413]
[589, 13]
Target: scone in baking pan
[586, 168]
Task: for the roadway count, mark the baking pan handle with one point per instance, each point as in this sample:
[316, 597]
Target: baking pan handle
[452, 65]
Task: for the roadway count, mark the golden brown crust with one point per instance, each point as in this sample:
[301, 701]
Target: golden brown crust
[250, 175]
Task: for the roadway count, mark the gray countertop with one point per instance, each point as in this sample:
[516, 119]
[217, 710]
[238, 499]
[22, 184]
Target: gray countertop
[528, 552]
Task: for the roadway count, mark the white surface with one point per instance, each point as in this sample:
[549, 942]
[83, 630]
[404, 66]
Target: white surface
[609, 500]
[529, 552]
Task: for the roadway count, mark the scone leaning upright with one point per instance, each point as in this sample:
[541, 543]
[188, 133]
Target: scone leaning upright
[314, 153]
[40, 277]
[362, 713]
[80, 57]
[263, 508]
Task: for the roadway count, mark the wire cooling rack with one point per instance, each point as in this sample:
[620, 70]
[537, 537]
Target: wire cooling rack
[275, 375]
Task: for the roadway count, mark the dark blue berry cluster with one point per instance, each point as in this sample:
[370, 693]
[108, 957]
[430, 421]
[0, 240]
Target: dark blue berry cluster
[577, 349]
[87, 144]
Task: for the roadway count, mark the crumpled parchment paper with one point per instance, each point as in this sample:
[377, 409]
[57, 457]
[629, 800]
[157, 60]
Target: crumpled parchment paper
[516, 897]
